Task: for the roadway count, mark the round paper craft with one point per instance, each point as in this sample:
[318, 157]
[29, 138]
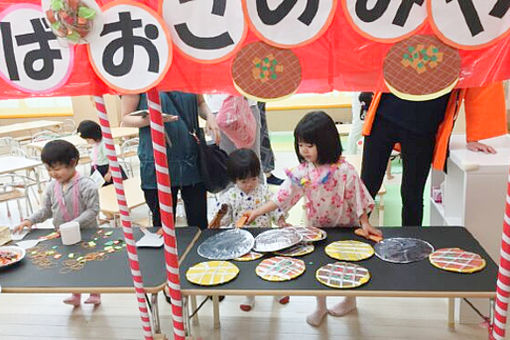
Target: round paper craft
[299, 249]
[402, 250]
[457, 260]
[349, 250]
[280, 268]
[342, 275]
[227, 245]
[310, 234]
[251, 256]
[263, 72]
[276, 239]
[10, 255]
[212, 273]
[421, 68]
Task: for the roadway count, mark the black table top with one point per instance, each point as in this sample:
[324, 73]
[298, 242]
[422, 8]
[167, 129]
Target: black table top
[111, 275]
[419, 279]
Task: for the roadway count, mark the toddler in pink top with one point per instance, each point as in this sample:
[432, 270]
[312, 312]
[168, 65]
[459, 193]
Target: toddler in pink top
[334, 194]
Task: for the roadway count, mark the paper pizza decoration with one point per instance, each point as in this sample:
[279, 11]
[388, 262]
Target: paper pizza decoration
[263, 72]
[421, 68]
[299, 249]
[310, 234]
[349, 250]
[251, 256]
[457, 260]
[212, 273]
[342, 275]
[280, 268]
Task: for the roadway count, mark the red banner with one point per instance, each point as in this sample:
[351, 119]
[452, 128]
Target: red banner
[339, 57]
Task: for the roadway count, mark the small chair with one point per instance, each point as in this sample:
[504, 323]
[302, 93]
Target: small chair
[44, 135]
[128, 150]
[68, 127]
[16, 187]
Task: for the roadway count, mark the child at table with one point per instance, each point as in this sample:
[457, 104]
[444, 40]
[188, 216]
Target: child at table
[243, 168]
[91, 132]
[334, 194]
[69, 197]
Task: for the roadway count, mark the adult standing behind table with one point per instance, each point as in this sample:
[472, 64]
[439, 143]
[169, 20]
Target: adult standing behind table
[423, 130]
[182, 151]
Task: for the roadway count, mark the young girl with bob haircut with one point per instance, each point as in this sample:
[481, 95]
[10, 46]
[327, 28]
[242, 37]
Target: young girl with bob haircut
[243, 169]
[334, 194]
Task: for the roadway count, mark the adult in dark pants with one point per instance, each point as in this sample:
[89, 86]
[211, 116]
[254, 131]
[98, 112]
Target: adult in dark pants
[182, 152]
[423, 130]
[266, 152]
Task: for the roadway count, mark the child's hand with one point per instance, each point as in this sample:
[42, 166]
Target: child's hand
[252, 215]
[367, 227]
[282, 223]
[26, 223]
[108, 177]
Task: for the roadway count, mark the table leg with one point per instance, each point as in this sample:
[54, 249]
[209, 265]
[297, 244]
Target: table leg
[216, 311]
[491, 311]
[155, 313]
[193, 301]
[451, 314]
[185, 315]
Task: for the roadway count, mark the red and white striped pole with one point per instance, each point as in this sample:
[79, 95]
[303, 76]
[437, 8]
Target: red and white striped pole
[124, 217]
[503, 284]
[165, 206]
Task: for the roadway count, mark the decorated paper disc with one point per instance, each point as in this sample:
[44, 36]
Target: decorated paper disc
[349, 250]
[276, 239]
[310, 234]
[402, 250]
[280, 268]
[263, 72]
[342, 275]
[212, 273]
[457, 260]
[421, 68]
[251, 256]
[226, 245]
[299, 249]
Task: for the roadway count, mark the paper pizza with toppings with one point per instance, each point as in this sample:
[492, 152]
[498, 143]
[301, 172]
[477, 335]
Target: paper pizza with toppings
[212, 273]
[342, 275]
[349, 250]
[457, 260]
[280, 268]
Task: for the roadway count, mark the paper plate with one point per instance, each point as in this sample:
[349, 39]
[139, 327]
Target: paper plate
[402, 250]
[227, 245]
[457, 260]
[342, 275]
[212, 273]
[310, 234]
[349, 250]
[280, 268]
[251, 256]
[299, 249]
[276, 239]
[10, 255]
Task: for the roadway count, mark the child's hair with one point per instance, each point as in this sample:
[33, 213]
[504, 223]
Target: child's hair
[60, 152]
[242, 164]
[318, 128]
[365, 98]
[90, 129]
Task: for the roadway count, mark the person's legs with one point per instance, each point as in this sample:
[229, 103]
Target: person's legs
[195, 204]
[151, 198]
[315, 319]
[417, 153]
[376, 152]
[73, 300]
[94, 299]
[266, 152]
[248, 303]
[345, 306]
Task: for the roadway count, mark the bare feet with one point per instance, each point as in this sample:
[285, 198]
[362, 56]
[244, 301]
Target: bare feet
[73, 300]
[315, 319]
[343, 307]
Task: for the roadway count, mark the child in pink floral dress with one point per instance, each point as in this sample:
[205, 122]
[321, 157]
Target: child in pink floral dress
[334, 194]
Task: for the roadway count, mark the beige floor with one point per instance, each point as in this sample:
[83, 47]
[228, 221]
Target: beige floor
[26, 316]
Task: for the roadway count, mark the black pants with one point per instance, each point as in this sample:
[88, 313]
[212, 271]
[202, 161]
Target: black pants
[195, 204]
[103, 170]
[417, 152]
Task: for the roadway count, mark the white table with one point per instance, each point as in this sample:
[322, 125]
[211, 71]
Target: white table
[29, 126]
[10, 164]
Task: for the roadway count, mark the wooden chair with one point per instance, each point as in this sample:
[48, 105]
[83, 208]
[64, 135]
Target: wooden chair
[16, 187]
[128, 150]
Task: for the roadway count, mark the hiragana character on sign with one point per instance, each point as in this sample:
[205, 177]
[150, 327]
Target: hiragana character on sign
[206, 30]
[385, 20]
[292, 22]
[133, 52]
[32, 58]
[470, 24]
